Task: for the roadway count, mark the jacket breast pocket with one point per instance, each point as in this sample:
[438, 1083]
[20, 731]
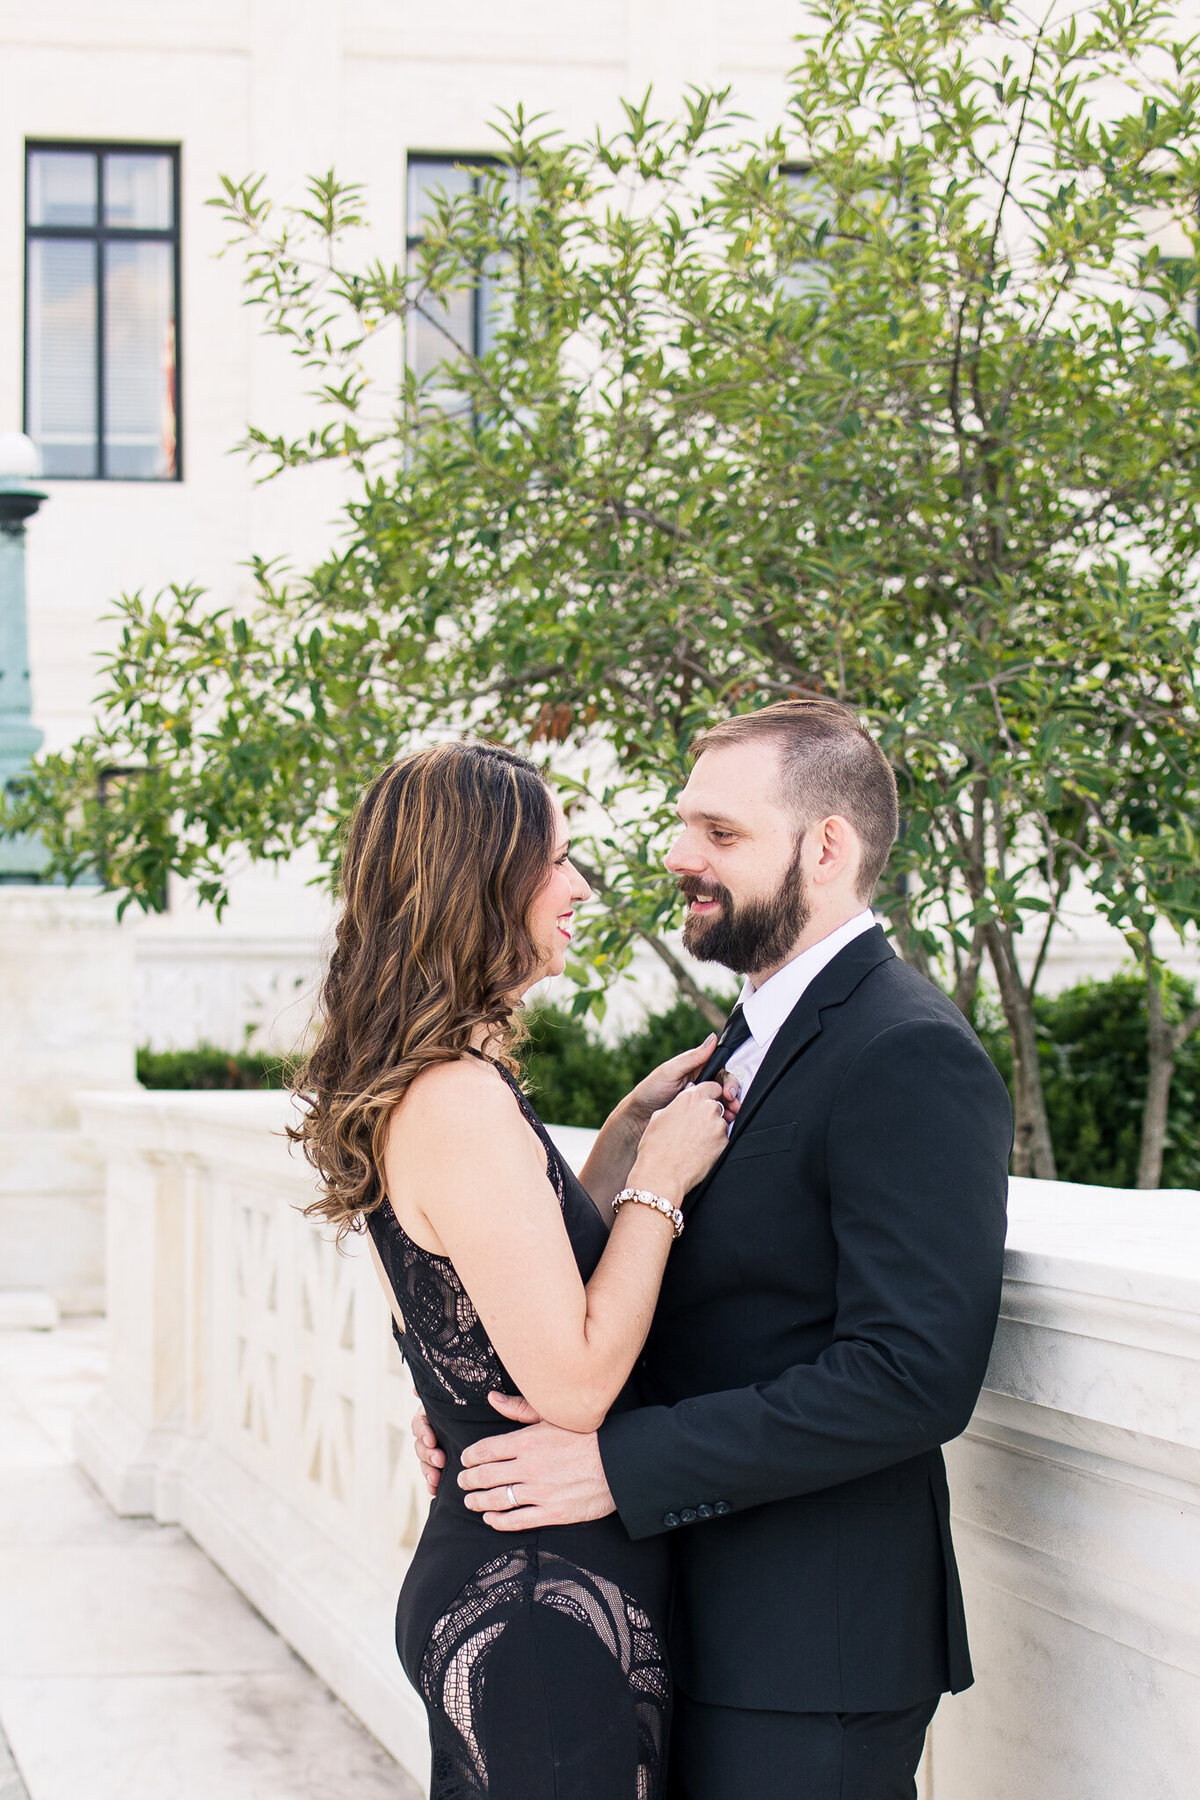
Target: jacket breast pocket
[766, 1141]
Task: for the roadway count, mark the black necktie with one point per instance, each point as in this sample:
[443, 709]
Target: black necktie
[734, 1032]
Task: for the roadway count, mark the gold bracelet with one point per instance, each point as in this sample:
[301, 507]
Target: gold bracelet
[643, 1197]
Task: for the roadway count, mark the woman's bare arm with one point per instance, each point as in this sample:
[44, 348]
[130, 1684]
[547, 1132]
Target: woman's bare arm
[612, 1155]
[467, 1179]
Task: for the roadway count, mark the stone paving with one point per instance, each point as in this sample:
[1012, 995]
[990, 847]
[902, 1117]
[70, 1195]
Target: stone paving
[130, 1668]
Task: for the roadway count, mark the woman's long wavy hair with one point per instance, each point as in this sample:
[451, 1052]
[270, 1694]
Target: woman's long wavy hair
[446, 851]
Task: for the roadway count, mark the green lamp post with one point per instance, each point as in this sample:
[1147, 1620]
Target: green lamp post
[21, 859]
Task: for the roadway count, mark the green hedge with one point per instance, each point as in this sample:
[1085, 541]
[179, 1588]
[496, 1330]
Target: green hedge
[1092, 1045]
[575, 1079]
[208, 1067]
[1092, 1042]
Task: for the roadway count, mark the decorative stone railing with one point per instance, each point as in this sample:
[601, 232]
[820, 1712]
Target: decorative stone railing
[1076, 1495]
[255, 1392]
[256, 1397]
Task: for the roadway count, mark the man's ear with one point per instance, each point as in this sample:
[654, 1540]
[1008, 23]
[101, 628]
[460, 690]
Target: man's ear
[835, 850]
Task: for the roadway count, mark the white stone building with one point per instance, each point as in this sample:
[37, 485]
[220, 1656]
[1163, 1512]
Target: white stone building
[116, 123]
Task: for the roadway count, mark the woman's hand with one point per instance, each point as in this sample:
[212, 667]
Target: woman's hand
[661, 1085]
[682, 1142]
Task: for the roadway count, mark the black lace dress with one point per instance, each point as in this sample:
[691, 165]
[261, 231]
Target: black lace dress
[539, 1654]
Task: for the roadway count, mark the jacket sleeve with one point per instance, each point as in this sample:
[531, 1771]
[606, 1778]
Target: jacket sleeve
[917, 1158]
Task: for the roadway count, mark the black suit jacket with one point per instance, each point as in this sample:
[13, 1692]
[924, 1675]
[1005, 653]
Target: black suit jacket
[824, 1327]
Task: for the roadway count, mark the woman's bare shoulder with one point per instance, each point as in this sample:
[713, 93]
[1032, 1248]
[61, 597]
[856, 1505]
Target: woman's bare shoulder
[464, 1096]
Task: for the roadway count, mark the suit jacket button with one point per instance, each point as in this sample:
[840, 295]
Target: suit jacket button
[688, 1516]
[670, 1519]
[704, 1511]
[720, 1507]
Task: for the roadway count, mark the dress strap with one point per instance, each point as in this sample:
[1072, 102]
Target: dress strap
[555, 1167]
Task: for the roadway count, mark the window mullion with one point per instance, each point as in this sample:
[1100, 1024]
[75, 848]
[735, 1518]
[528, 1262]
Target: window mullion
[101, 277]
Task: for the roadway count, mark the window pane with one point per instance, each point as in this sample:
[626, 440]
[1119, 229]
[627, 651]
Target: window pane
[139, 359]
[62, 187]
[62, 354]
[807, 277]
[428, 179]
[495, 306]
[439, 329]
[139, 191]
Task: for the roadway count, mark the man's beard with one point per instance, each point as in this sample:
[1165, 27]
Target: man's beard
[750, 937]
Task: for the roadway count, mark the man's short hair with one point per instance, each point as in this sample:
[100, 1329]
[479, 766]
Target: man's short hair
[828, 764]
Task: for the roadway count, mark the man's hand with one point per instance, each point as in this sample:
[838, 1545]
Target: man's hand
[556, 1476]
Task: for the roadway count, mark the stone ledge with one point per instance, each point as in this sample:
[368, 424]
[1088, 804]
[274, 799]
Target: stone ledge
[27, 1309]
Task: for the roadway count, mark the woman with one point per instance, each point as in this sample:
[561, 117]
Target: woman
[539, 1655]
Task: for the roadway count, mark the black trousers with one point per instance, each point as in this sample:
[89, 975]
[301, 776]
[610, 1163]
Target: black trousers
[728, 1753]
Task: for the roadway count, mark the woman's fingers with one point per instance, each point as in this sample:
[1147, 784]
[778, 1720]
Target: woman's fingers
[696, 1059]
[430, 1455]
[514, 1406]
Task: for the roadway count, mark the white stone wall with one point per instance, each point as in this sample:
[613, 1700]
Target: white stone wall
[66, 1021]
[256, 1397]
[288, 89]
[255, 1393]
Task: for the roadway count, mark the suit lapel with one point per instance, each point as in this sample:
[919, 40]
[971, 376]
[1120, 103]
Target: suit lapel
[834, 985]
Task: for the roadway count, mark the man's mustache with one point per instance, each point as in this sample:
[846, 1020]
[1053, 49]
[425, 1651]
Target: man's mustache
[691, 889]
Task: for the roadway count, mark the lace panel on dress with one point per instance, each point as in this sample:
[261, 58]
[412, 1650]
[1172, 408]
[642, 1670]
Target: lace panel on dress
[441, 1326]
[455, 1664]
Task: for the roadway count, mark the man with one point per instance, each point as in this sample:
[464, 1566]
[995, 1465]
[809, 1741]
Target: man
[826, 1318]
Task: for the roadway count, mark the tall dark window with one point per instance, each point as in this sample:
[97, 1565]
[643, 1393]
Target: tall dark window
[465, 318]
[102, 310]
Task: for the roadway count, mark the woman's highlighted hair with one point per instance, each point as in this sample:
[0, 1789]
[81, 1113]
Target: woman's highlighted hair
[445, 853]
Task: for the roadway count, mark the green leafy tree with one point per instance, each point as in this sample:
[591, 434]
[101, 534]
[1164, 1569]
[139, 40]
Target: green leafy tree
[897, 403]
[1092, 1049]
[1148, 876]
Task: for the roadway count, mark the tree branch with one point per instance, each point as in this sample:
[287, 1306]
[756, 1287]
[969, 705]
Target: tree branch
[684, 979]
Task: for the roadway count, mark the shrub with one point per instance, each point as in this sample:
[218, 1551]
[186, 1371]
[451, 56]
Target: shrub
[1092, 1044]
[576, 1079]
[573, 1078]
[208, 1067]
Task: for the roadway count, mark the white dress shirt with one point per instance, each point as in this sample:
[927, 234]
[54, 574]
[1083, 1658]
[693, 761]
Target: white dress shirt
[767, 1007]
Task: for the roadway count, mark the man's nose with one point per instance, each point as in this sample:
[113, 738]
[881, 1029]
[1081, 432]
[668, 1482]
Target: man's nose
[682, 861]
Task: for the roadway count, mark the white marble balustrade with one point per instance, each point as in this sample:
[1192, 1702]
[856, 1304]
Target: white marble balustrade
[1076, 1495]
[256, 1397]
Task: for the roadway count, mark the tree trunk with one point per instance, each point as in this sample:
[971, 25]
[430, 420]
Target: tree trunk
[1163, 1043]
[966, 984]
[684, 980]
[1160, 1066]
[908, 945]
[706, 1006]
[1033, 1151]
